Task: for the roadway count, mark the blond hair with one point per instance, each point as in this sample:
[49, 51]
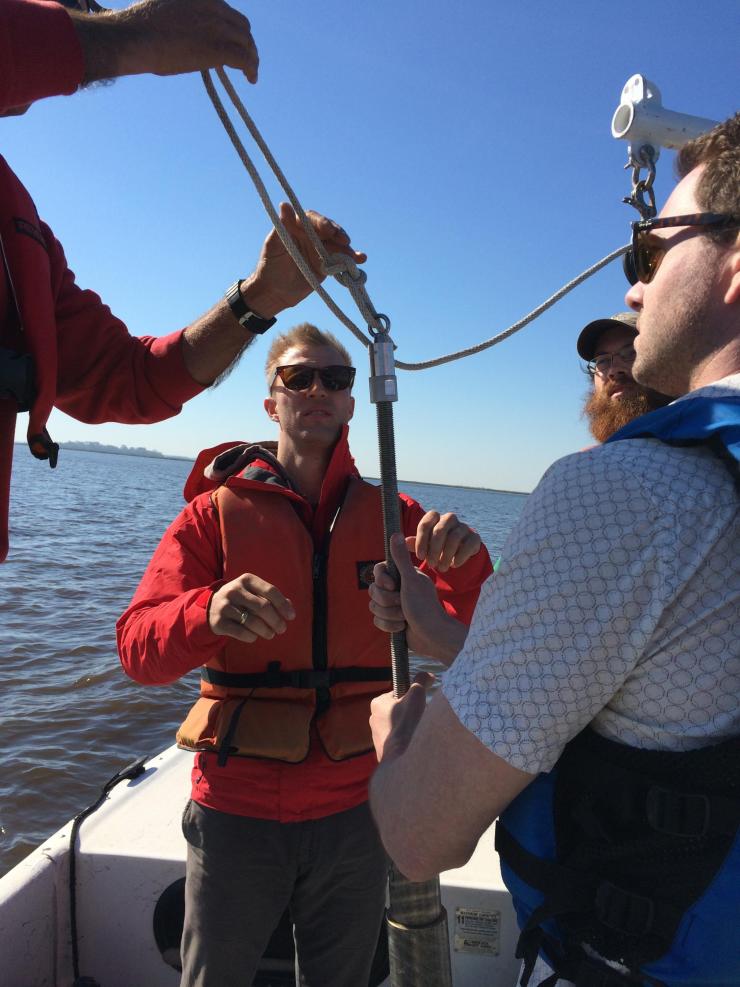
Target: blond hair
[304, 334]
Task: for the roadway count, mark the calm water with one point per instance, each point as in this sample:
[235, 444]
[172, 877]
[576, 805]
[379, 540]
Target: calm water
[81, 536]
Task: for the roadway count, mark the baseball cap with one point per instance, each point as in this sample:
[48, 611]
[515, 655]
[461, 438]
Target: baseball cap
[588, 338]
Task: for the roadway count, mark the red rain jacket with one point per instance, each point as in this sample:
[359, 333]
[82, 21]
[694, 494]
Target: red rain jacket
[85, 361]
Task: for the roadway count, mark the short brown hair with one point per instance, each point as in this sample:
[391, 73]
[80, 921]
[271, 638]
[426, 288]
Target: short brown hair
[304, 334]
[718, 189]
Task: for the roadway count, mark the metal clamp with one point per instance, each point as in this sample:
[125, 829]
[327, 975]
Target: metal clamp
[383, 383]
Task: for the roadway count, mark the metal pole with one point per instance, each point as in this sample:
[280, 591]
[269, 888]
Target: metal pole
[418, 940]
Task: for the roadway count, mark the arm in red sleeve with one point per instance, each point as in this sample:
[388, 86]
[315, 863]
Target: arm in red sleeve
[105, 374]
[164, 633]
[457, 589]
[40, 53]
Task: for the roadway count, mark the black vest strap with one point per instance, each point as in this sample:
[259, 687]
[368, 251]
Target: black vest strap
[568, 891]
[303, 678]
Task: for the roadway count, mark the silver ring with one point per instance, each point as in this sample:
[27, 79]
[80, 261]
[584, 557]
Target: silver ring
[244, 617]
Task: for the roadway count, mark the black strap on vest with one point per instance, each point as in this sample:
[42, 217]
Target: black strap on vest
[639, 836]
[302, 678]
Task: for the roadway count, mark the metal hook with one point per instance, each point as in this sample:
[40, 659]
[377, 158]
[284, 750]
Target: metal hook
[642, 187]
[385, 325]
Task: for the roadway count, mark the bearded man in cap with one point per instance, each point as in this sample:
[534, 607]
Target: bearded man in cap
[615, 398]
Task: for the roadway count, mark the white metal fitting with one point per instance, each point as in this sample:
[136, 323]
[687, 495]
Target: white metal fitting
[642, 120]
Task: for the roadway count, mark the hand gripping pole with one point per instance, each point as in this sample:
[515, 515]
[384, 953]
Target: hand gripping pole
[418, 940]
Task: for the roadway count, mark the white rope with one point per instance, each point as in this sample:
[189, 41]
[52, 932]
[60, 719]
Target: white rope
[340, 266]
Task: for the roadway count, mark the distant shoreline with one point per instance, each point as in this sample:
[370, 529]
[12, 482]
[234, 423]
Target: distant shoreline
[138, 451]
[142, 453]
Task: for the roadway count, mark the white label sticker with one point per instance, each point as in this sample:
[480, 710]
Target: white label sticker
[477, 931]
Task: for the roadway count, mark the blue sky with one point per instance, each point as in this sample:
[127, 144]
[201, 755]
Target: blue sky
[466, 147]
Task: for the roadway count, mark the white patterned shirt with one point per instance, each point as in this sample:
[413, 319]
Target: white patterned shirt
[617, 603]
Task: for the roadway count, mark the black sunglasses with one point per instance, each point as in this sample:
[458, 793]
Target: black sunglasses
[645, 256]
[300, 376]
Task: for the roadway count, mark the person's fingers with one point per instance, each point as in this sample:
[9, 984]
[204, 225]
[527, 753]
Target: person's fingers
[240, 50]
[469, 546]
[410, 707]
[382, 578]
[400, 555]
[266, 593]
[411, 544]
[253, 623]
[445, 527]
[288, 218]
[386, 608]
[383, 599]
[424, 533]
[425, 679]
[389, 626]
[230, 33]
[335, 238]
[450, 547]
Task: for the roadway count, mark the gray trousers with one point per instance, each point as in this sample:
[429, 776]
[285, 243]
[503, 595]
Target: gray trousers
[242, 874]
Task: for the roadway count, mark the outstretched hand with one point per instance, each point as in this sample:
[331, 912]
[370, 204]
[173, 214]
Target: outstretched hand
[166, 37]
[248, 608]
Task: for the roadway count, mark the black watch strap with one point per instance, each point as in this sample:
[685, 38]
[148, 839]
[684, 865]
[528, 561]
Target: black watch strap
[244, 314]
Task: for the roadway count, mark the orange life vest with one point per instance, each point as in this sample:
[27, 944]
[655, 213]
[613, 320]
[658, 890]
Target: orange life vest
[261, 699]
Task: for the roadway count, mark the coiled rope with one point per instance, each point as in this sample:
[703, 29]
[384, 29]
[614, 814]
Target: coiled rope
[340, 266]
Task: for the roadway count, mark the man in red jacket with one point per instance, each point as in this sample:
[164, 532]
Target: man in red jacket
[60, 346]
[263, 581]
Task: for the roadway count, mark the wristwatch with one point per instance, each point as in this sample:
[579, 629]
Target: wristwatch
[244, 314]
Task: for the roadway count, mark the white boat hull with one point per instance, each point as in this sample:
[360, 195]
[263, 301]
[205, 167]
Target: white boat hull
[132, 849]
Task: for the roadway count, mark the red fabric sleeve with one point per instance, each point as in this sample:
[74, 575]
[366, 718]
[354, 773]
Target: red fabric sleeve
[105, 374]
[164, 633]
[40, 53]
[458, 589]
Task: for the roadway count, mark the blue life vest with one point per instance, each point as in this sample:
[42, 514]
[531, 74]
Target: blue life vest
[629, 855]
[713, 421]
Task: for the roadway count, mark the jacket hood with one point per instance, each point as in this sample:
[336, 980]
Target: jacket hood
[215, 465]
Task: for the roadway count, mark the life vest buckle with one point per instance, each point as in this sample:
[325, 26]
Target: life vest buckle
[677, 814]
[273, 676]
[321, 679]
[623, 911]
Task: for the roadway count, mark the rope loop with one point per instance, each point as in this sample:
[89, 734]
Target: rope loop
[342, 267]
[345, 270]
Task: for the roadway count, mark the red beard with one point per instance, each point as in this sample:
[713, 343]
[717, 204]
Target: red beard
[606, 416]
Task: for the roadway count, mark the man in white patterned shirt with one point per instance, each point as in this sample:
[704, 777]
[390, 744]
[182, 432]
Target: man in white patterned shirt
[595, 705]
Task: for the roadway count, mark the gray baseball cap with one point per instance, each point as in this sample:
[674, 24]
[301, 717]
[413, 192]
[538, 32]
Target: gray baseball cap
[589, 336]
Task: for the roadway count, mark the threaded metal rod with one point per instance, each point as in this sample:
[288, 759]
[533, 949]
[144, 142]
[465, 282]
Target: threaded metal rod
[392, 525]
[418, 940]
